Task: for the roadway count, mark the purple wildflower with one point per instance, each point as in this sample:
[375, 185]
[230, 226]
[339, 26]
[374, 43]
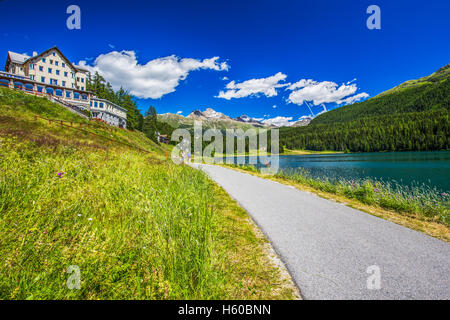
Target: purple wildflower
[60, 174]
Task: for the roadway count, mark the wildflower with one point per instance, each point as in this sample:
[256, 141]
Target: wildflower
[375, 189]
[45, 232]
[79, 214]
[60, 174]
[90, 219]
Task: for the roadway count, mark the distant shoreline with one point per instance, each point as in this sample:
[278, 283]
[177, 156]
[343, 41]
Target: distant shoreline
[286, 153]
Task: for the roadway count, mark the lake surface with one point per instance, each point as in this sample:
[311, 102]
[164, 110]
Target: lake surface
[407, 168]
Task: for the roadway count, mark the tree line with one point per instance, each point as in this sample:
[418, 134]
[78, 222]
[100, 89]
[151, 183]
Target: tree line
[412, 118]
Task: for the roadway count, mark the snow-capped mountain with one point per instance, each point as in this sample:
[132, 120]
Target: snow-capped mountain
[302, 121]
[247, 119]
[209, 113]
[215, 119]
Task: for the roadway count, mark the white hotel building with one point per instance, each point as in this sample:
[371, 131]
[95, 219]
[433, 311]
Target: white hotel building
[52, 75]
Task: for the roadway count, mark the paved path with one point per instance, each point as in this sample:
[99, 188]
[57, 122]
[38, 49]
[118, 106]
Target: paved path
[328, 247]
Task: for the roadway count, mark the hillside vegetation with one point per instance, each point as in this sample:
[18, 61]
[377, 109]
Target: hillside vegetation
[411, 117]
[107, 201]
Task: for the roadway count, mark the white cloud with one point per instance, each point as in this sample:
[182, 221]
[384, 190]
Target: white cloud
[265, 86]
[111, 46]
[302, 83]
[354, 98]
[154, 79]
[279, 121]
[323, 92]
[179, 112]
[274, 106]
[225, 78]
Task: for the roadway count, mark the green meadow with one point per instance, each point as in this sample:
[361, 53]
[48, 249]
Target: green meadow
[109, 202]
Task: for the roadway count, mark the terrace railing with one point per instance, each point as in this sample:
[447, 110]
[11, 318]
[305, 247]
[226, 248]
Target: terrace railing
[14, 76]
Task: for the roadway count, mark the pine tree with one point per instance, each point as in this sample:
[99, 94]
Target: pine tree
[150, 124]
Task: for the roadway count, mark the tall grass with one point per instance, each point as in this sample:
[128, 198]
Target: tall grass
[133, 231]
[137, 225]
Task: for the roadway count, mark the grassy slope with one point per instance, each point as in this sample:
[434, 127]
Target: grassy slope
[138, 226]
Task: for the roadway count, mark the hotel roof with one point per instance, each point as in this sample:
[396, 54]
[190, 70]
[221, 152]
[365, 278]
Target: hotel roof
[22, 58]
[18, 57]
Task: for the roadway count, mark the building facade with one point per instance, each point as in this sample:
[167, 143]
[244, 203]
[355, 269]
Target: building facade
[52, 75]
[109, 112]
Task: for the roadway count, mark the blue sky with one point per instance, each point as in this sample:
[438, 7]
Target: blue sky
[278, 42]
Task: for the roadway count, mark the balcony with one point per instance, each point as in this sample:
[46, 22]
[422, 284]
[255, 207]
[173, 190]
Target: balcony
[13, 76]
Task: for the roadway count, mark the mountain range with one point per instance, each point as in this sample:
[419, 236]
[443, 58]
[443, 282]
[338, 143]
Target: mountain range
[211, 118]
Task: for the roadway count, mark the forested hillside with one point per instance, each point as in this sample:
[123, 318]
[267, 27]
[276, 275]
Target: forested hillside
[412, 116]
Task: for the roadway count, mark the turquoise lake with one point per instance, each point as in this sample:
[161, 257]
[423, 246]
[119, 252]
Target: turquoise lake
[406, 168]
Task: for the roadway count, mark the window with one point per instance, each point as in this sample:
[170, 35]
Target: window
[54, 82]
[57, 72]
[63, 65]
[65, 74]
[95, 104]
[51, 61]
[43, 60]
[101, 104]
[64, 83]
[32, 66]
[41, 68]
[67, 94]
[76, 95]
[42, 79]
[49, 70]
[73, 75]
[54, 54]
[82, 88]
[32, 77]
[78, 78]
[56, 63]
